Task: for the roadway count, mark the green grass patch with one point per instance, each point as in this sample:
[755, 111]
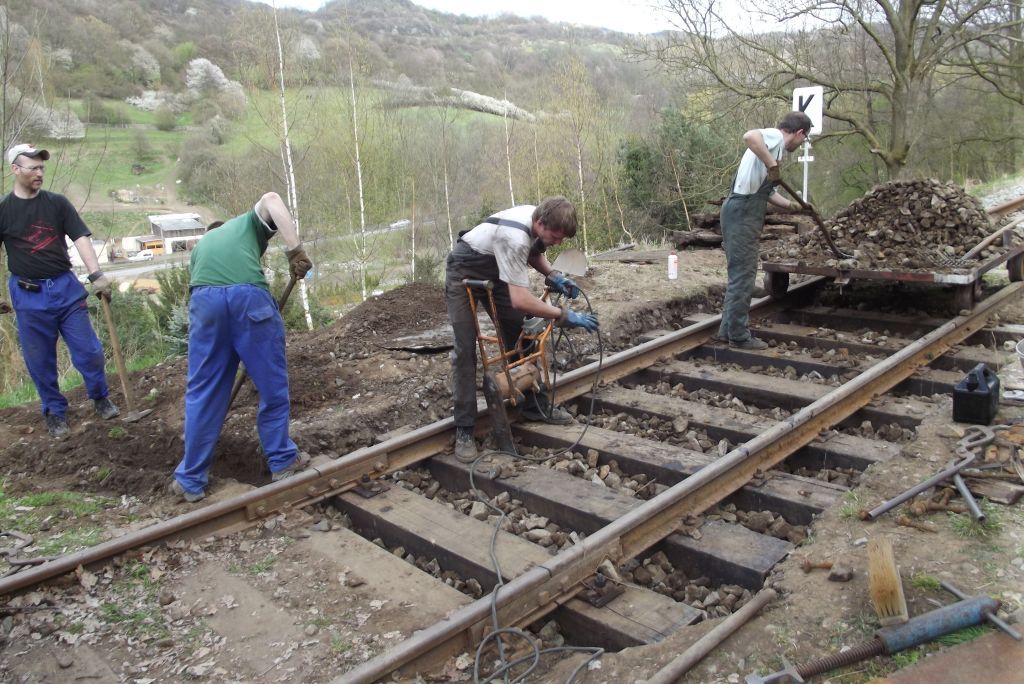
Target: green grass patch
[339, 645]
[907, 658]
[962, 636]
[117, 224]
[136, 621]
[117, 432]
[965, 526]
[70, 510]
[853, 504]
[261, 566]
[925, 582]
[70, 541]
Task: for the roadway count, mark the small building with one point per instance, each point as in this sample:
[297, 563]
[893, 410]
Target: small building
[173, 233]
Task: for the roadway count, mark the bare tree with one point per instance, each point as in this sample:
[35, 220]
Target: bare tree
[581, 104]
[286, 159]
[908, 50]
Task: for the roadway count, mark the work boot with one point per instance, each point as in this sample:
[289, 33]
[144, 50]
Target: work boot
[465, 445]
[751, 343]
[105, 408]
[179, 492]
[537, 407]
[302, 460]
[56, 425]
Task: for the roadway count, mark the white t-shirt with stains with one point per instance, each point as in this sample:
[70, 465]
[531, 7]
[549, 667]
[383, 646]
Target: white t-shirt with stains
[510, 246]
[752, 171]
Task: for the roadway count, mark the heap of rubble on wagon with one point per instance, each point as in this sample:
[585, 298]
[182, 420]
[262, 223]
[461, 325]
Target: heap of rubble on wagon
[901, 225]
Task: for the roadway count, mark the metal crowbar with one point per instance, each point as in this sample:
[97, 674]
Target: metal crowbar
[817, 220]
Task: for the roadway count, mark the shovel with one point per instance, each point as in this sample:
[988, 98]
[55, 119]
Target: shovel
[817, 219]
[280, 307]
[122, 372]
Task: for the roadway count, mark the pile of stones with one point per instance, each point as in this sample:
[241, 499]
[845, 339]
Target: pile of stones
[902, 226]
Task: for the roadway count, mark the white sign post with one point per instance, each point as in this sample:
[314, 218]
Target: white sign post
[809, 100]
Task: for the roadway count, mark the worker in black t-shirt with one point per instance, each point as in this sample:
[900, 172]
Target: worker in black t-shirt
[47, 297]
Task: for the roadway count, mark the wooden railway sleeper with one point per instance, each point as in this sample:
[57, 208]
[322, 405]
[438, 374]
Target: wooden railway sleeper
[655, 519]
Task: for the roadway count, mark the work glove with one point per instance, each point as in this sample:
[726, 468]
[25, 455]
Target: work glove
[795, 206]
[100, 285]
[5, 308]
[562, 284]
[774, 173]
[298, 263]
[576, 319]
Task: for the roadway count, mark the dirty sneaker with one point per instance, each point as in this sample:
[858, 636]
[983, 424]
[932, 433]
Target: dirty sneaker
[105, 408]
[465, 445]
[56, 425]
[751, 343]
[179, 492]
[302, 460]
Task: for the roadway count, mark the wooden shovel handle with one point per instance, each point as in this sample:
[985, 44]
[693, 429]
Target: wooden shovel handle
[122, 371]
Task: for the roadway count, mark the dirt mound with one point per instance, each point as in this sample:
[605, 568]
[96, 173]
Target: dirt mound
[344, 389]
[903, 225]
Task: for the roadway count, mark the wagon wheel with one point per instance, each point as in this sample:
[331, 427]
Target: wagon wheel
[776, 284]
[1015, 267]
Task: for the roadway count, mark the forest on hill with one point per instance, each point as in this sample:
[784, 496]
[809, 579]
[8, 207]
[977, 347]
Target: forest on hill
[390, 127]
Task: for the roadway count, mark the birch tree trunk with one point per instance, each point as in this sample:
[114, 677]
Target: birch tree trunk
[359, 179]
[288, 163]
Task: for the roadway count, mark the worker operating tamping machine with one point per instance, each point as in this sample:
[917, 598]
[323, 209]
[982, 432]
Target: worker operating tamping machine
[509, 373]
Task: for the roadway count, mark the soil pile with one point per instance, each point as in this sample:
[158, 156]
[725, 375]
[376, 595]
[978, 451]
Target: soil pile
[903, 225]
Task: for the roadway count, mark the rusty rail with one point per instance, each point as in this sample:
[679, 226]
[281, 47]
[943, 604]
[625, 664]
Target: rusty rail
[540, 590]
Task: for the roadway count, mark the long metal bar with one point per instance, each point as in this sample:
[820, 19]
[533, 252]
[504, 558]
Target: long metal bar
[659, 517]
[685, 661]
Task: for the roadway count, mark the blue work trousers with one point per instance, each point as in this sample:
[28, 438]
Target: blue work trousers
[57, 308]
[227, 325]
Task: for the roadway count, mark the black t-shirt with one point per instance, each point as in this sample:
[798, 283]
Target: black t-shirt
[33, 232]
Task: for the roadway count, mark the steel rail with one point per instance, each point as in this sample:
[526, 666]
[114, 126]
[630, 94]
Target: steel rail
[346, 473]
[1007, 207]
[541, 589]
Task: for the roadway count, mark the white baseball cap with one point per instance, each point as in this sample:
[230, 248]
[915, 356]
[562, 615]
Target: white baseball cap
[27, 150]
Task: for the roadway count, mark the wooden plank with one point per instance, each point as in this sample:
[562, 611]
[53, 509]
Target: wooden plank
[586, 507]
[926, 381]
[765, 391]
[999, 491]
[462, 544]
[796, 498]
[838, 450]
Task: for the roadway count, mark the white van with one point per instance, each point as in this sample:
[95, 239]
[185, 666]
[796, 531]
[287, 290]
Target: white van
[144, 255]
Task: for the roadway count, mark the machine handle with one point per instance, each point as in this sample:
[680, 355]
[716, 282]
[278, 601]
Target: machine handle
[486, 284]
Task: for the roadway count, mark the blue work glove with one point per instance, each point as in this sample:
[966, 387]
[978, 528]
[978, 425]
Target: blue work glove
[562, 284]
[576, 319]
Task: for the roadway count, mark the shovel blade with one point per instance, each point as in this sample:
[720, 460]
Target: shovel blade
[571, 262]
[135, 416]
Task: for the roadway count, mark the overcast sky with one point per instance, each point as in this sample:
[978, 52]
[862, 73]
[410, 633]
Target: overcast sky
[628, 16]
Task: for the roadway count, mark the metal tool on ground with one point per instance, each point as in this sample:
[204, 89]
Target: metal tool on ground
[133, 413]
[977, 436]
[508, 373]
[884, 583]
[685, 661]
[813, 213]
[991, 617]
[242, 375]
[888, 640]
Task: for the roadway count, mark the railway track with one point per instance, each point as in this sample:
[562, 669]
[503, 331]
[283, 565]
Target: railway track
[700, 469]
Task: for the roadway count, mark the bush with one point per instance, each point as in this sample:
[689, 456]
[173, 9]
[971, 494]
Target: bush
[166, 119]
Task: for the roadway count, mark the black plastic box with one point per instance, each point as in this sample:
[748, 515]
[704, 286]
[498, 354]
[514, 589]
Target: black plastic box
[976, 397]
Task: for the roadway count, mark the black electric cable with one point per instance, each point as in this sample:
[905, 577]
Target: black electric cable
[506, 666]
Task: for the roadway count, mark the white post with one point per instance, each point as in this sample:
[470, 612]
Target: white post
[806, 158]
